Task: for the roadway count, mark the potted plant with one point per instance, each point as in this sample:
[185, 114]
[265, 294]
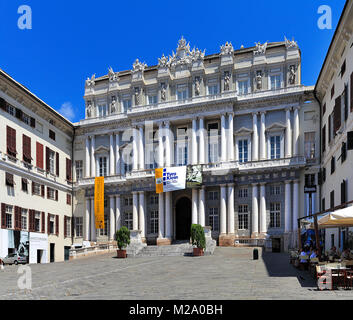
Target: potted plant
[123, 240]
[198, 239]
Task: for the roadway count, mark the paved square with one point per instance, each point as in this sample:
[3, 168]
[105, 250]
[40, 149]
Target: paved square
[230, 274]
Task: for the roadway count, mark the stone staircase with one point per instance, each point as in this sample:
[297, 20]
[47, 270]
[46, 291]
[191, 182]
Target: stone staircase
[166, 251]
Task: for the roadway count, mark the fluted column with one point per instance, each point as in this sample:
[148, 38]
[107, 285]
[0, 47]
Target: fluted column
[142, 214]
[231, 208]
[288, 207]
[161, 216]
[288, 142]
[194, 206]
[255, 211]
[135, 150]
[168, 215]
[93, 157]
[202, 213]
[194, 142]
[223, 217]
[93, 222]
[118, 223]
[135, 211]
[296, 132]
[167, 143]
[88, 160]
[263, 210]
[262, 137]
[223, 139]
[255, 139]
[295, 204]
[160, 146]
[230, 137]
[112, 218]
[141, 149]
[87, 220]
[117, 154]
[202, 141]
[111, 156]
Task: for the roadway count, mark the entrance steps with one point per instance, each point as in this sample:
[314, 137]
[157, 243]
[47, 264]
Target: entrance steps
[184, 249]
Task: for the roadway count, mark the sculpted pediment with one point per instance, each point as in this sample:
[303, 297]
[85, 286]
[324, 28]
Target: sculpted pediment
[277, 126]
[243, 131]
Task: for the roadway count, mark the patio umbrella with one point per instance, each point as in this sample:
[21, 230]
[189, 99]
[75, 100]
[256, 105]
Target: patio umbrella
[339, 218]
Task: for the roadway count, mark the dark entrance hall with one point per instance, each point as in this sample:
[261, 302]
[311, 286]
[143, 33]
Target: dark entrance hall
[183, 219]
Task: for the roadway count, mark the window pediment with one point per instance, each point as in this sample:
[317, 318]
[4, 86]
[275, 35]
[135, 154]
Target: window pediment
[244, 132]
[277, 126]
[101, 150]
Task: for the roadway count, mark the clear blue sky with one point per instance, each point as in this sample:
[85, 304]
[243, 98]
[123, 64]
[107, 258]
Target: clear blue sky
[71, 40]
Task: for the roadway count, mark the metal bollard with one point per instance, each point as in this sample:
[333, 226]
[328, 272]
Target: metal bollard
[256, 254]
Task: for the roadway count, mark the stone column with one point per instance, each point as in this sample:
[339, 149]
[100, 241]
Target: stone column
[135, 211]
[93, 157]
[194, 206]
[160, 146]
[262, 137]
[161, 216]
[223, 139]
[230, 137]
[112, 219]
[231, 209]
[295, 204]
[117, 154]
[111, 156]
[118, 213]
[194, 143]
[141, 149]
[142, 215]
[263, 210]
[93, 222]
[296, 132]
[87, 220]
[255, 139]
[255, 211]
[288, 142]
[202, 202]
[168, 216]
[223, 217]
[202, 141]
[88, 160]
[287, 207]
[167, 143]
[135, 150]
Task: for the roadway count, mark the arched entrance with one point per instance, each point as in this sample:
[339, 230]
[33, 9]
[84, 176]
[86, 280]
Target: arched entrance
[183, 219]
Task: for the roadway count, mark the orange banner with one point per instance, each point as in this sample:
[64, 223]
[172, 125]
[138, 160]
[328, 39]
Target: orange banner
[99, 202]
[159, 180]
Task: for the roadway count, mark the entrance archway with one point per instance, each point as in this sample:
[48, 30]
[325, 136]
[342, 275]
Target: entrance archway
[183, 219]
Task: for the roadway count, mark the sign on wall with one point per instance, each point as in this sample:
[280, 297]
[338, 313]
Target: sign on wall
[170, 179]
[194, 176]
[99, 202]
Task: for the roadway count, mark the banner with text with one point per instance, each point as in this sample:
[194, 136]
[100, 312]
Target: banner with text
[99, 202]
[194, 176]
[170, 179]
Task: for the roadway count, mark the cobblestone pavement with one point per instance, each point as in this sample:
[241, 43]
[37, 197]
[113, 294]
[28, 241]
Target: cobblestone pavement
[229, 274]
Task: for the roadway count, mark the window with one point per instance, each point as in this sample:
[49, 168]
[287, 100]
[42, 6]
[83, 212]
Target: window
[343, 192]
[51, 158]
[26, 149]
[37, 221]
[26, 119]
[324, 174]
[68, 199]
[213, 151]
[310, 180]
[212, 89]
[37, 189]
[126, 105]
[102, 110]
[67, 231]
[152, 99]
[128, 220]
[275, 82]
[337, 115]
[79, 169]
[243, 87]
[275, 190]
[243, 193]
[79, 226]
[9, 180]
[243, 151]
[10, 109]
[324, 138]
[324, 109]
[275, 215]
[154, 200]
[24, 217]
[343, 152]
[183, 155]
[52, 224]
[52, 135]
[68, 169]
[39, 156]
[128, 202]
[154, 222]
[24, 185]
[213, 217]
[103, 170]
[182, 92]
[323, 204]
[213, 195]
[309, 145]
[332, 199]
[333, 165]
[275, 147]
[243, 217]
[8, 216]
[11, 142]
[52, 194]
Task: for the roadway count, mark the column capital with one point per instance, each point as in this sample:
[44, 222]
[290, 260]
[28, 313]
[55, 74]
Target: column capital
[141, 192]
[135, 192]
[263, 184]
[223, 114]
[231, 113]
[263, 112]
[231, 185]
[288, 181]
[288, 109]
[223, 185]
[255, 113]
[255, 184]
[140, 126]
[201, 117]
[296, 181]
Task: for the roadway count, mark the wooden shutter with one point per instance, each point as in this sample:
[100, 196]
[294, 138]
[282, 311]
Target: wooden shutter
[17, 218]
[43, 222]
[42, 187]
[33, 122]
[324, 138]
[65, 227]
[343, 192]
[48, 223]
[57, 225]
[68, 170]
[32, 187]
[47, 151]
[26, 149]
[329, 128]
[31, 221]
[3, 216]
[352, 92]
[48, 194]
[345, 96]
[19, 114]
[11, 141]
[56, 195]
[39, 156]
[2, 104]
[337, 115]
[57, 164]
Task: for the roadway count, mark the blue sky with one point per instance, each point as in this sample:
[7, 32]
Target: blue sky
[71, 40]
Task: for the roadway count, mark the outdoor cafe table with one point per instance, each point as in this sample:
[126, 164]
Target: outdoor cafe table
[337, 267]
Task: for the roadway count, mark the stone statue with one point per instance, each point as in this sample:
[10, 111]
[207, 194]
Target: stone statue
[260, 48]
[113, 105]
[112, 75]
[89, 109]
[197, 86]
[91, 82]
[137, 96]
[227, 82]
[227, 49]
[290, 44]
[258, 80]
[163, 92]
[292, 73]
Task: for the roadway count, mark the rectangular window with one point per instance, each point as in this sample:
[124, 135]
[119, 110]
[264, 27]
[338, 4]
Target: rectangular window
[309, 145]
[343, 68]
[126, 105]
[243, 217]
[213, 195]
[275, 215]
[103, 169]
[310, 180]
[9, 216]
[11, 142]
[243, 87]
[9, 181]
[79, 227]
[323, 204]
[213, 89]
[324, 138]
[68, 199]
[337, 114]
[67, 227]
[68, 170]
[152, 99]
[343, 192]
[128, 220]
[154, 200]
[332, 199]
[275, 82]
[50, 193]
[182, 92]
[26, 149]
[213, 217]
[275, 147]
[39, 156]
[343, 152]
[52, 224]
[154, 222]
[324, 109]
[243, 193]
[102, 110]
[37, 217]
[128, 202]
[79, 169]
[243, 151]
[24, 217]
[51, 159]
[52, 135]
[275, 190]
[24, 185]
[332, 91]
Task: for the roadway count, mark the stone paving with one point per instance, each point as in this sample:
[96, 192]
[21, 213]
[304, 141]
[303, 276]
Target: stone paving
[229, 274]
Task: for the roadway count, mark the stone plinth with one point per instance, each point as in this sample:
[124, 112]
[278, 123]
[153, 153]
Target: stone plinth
[226, 240]
[136, 244]
[164, 242]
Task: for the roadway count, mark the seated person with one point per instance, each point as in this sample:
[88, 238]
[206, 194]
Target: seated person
[346, 255]
[333, 252]
[314, 254]
[304, 253]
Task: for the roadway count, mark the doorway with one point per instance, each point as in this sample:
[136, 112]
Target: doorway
[39, 256]
[52, 252]
[276, 245]
[183, 219]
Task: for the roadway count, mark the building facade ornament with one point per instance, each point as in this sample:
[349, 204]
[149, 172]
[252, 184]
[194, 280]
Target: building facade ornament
[113, 77]
[226, 81]
[89, 109]
[163, 91]
[292, 74]
[258, 80]
[137, 92]
[260, 48]
[227, 49]
[163, 62]
[290, 44]
[91, 82]
[197, 86]
[113, 108]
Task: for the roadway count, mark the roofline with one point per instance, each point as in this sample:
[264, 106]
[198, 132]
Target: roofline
[32, 95]
[331, 44]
